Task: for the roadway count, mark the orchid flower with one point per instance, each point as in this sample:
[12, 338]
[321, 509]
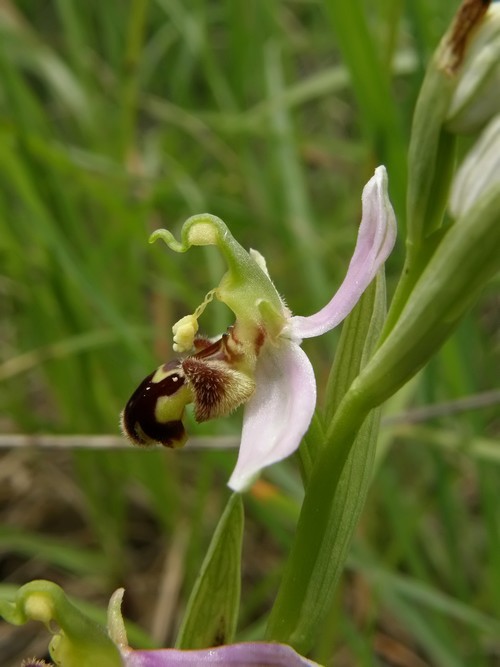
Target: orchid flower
[258, 361]
[79, 642]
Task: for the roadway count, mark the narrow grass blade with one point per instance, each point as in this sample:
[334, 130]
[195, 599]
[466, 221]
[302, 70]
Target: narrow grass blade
[371, 83]
[212, 610]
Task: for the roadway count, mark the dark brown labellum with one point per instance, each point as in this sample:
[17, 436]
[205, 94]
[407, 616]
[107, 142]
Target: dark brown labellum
[139, 419]
[215, 379]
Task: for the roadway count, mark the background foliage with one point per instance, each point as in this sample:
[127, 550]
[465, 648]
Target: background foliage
[120, 117]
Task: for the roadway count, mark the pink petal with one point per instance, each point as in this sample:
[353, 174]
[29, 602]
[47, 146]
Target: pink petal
[278, 414]
[238, 655]
[376, 238]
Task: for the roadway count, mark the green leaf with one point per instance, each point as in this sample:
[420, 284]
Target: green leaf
[212, 610]
[418, 594]
[54, 551]
[359, 336]
[335, 494]
[430, 158]
[311, 446]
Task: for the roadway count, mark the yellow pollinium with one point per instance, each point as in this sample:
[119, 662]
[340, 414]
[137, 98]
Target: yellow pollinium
[184, 332]
[186, 328]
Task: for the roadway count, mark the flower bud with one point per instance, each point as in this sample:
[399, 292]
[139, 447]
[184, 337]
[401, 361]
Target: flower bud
[431, 155]
[479, 173]
[475, 99]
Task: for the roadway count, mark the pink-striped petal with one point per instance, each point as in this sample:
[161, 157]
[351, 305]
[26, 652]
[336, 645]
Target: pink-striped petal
[237, 655]
[376, 238]
[278, 414]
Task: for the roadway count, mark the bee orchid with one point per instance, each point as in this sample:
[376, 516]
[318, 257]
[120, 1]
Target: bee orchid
[258, 361]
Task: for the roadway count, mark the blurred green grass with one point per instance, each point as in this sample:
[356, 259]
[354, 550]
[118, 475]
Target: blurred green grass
[120, 117]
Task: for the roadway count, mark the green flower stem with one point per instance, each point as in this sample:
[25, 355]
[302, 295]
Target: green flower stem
[338, 476]
[316, 539]
[431, 165]
[465, 259]
[431, 162]
[415, 263]
[431, 158]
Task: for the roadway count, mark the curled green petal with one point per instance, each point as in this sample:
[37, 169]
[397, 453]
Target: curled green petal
[206, 229]
[246, 284]
[78, 641]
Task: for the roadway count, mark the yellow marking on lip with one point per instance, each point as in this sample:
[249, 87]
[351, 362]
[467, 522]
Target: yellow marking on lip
[171, 408]
[161, 374]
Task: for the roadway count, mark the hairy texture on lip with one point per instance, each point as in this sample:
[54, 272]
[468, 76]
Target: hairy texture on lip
[217, 388]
